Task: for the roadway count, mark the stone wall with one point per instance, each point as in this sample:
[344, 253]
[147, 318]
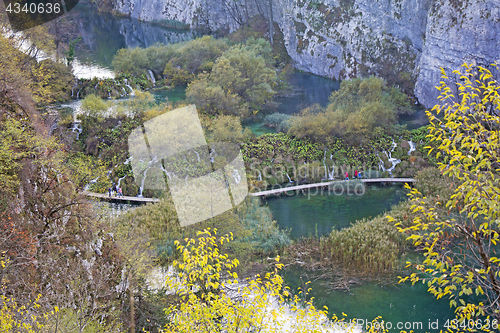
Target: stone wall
[405, 41]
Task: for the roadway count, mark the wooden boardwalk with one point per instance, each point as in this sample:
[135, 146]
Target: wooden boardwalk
[106, 197]
[308, 186]
[137, 200]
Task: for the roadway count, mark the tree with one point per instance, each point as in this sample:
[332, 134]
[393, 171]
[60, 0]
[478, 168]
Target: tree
[94, 106]
[210, 299]
[459, 235]
[359, 110]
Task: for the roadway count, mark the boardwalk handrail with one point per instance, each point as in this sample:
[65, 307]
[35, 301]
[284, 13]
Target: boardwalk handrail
[119, 198]
[307, 186]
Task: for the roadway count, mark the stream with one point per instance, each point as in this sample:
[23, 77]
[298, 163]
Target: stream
[103, 35]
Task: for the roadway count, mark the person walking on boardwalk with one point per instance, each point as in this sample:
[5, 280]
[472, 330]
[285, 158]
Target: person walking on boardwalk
[120, 193]
[346, 175]
[109, 191]
[355, 174]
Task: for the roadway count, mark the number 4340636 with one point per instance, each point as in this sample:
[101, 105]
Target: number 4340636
[34, 8]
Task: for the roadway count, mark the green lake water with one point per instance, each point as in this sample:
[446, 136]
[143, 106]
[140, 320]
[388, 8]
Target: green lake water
[396, 303]
[310, 215]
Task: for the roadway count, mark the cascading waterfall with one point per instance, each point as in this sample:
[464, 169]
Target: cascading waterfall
[236, 176]
[152, 76]
[393, 161]
[141, 188]
[120, 180]
[132, 93]
[328, 173]
[77, 127]
[324, 164]
[212, 156]
[289, 179]
[412, 147]
[92, 181]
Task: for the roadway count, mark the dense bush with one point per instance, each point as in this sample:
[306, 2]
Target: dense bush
[360, 110]
[241, 79]
[280, 121]
[255, 233]
[178, 62]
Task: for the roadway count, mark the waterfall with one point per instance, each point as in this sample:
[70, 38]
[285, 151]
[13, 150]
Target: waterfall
[152, 76]
[212, 156]
[260, 175]
[92, 181]
[132, 93]
[120, 180]
[412, 147]
[127, 161]
[330, 174]
[236, 176]
[197, 155]
[141, 188]
[289, 179]
[324, 164]
[394, 161]
[78, 93]
[77, 128]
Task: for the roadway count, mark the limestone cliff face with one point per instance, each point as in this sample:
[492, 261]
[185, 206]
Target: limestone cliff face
[457, 31]
[405, 41]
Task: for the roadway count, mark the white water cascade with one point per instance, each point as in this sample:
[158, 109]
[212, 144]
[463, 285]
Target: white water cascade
[77, 127]
[132, 93]
[152, 76]
[393, 161]
[412, 147]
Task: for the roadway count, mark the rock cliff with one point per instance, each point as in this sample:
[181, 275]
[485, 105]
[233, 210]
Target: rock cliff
[405, 41]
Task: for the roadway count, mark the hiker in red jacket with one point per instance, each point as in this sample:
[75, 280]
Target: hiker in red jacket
[347, 175]
[355, 174]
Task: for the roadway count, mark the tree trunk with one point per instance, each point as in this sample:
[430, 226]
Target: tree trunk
[271, 21]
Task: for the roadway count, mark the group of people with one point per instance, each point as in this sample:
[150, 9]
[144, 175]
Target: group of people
[116, 189]
[356, 175]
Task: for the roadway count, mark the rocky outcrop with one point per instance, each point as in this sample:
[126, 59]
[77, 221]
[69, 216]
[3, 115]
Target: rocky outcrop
[457, 31]
[405, 41]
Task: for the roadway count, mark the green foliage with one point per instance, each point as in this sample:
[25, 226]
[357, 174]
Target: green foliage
[280, 121]
[240, 80]
[255, 232]
[51, 82]
[459, 233]
[226, 129]
[94, 106]
[70, 55]
[211, 99]
[179, 62]
[357, 112]
[368, 246]
[204, 273]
